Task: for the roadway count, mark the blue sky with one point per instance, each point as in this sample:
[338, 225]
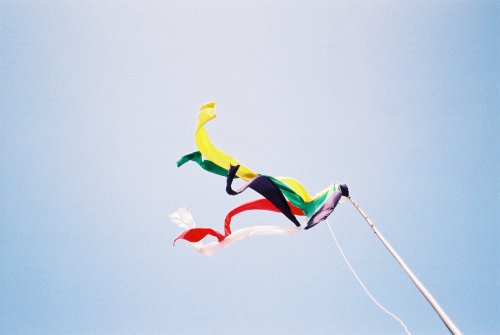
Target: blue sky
[98, 100]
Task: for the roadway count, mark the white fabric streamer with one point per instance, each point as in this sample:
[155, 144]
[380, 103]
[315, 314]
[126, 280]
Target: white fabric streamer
[212, 247]
[185, 220]
[363, 285]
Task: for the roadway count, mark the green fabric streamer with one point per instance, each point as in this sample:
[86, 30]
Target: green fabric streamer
[205, 164]
[309, 208]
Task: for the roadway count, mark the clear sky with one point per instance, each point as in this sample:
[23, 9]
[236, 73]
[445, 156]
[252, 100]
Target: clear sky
[98, 100]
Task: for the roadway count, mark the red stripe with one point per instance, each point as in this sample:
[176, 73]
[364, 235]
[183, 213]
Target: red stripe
[259, 204]
[197, 234]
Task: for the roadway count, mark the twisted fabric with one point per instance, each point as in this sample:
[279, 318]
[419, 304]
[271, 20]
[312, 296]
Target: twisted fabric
[283, 194]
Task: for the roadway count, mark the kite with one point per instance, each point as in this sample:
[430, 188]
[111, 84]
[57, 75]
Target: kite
[284, 195]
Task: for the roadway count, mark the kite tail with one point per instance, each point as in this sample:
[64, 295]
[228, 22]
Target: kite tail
[259, 204]
[325, 209]
[218, 162]
[204, 164]
[197, 234]
[210, 151]
[194, 234]
[265, 187]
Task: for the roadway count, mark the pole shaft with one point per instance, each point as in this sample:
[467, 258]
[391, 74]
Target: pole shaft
[444, 317]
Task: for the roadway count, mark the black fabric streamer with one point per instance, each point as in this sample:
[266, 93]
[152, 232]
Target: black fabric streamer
[265, 187]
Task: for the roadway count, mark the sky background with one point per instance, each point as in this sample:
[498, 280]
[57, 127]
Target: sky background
[98, 100]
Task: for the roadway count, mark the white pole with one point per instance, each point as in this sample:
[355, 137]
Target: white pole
[444, 317]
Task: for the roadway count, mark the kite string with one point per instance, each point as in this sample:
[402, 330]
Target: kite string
[375, 301]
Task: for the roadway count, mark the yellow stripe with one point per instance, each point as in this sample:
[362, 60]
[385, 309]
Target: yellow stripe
[212, 153]
[297, 187]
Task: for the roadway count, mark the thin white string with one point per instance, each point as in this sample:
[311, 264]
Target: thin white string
[363, 285]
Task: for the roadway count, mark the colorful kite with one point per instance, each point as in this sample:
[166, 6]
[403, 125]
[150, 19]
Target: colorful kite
[285, 195]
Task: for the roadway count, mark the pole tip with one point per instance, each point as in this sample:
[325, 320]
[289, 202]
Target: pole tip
[344, 189]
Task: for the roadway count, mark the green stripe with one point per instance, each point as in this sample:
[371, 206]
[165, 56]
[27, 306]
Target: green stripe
[309, 208]
[205, 164]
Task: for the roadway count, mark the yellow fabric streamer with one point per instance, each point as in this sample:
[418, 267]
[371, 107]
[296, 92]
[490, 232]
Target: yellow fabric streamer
[297, 187]
[212, 153]
[301, 190]
[209, 151]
